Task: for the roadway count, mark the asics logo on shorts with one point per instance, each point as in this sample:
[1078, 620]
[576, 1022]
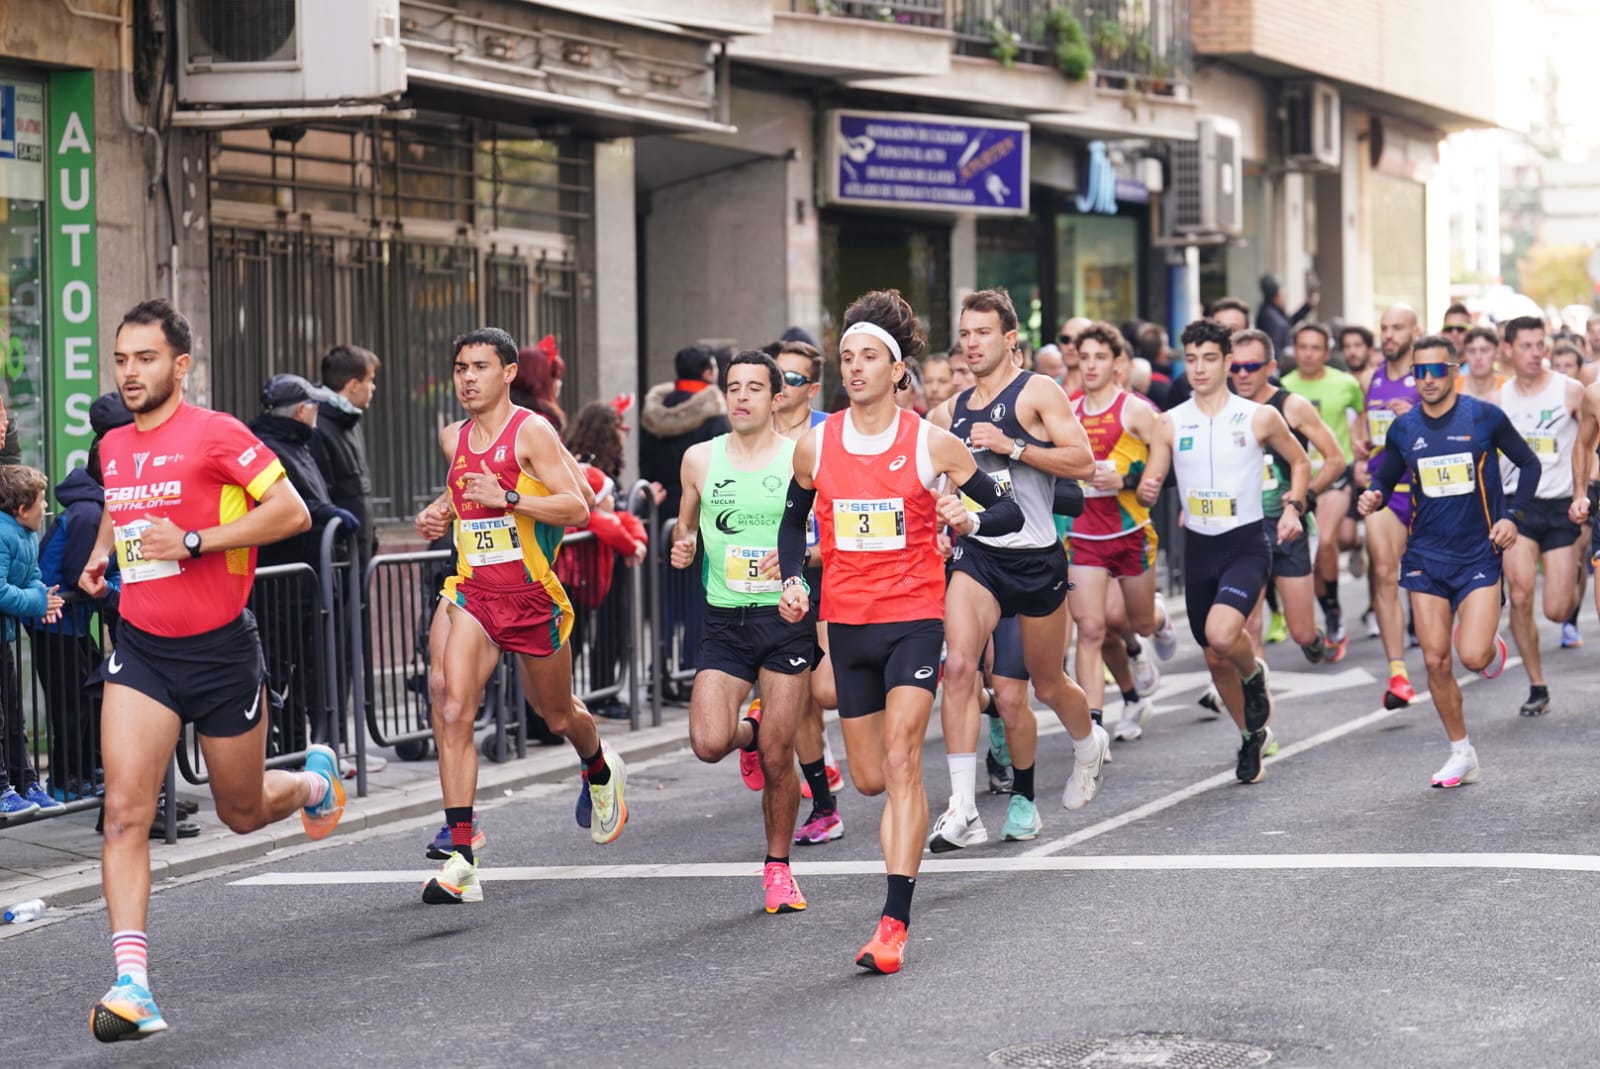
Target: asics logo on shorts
[897, 463]
[922, 673]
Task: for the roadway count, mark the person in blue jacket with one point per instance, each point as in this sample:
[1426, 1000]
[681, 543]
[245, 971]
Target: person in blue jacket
[23, 597]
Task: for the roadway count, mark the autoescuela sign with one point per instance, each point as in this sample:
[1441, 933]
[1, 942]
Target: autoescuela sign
[927, 162]
[73, 288]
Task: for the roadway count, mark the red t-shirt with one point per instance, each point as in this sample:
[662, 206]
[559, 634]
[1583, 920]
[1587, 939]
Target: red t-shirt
[198, 469]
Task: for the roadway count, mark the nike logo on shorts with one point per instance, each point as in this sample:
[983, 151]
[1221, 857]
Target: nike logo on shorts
[250, 713]
[112, 666]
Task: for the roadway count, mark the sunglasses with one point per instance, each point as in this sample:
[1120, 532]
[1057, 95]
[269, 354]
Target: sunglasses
[795, 379]
[1247, 369]
[1436, 370]
[1454, 328]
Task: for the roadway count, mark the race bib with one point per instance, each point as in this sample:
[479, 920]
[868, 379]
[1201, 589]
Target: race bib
[1446, 476]
[491, 541]
[1089, 488]
[1541, 441]
[1269, 475]
[1002, 483]
[1378, 423]
[130, 555]
[741, 571]
[863, 525]
[1211, 508]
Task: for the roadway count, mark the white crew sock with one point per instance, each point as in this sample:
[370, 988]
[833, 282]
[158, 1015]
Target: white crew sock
[963, 782]
[1461, 745]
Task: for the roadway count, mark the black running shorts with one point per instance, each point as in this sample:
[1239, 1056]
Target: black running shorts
[212, 680]
[1026, 582]
[870, 660]
[743, 642]
[1224, 569]
[1545, 521]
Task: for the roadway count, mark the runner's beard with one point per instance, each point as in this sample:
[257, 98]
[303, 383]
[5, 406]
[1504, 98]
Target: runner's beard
[156, 394]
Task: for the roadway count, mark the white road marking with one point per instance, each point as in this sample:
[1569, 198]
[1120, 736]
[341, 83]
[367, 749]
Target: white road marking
[985, 864]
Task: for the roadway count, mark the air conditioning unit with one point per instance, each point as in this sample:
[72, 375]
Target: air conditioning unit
[1206, 194]
[1309, 113]
[260, 53]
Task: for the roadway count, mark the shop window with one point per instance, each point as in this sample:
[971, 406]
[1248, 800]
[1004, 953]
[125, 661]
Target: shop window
[1397, 215]
[1097, 267]
[1008, 257]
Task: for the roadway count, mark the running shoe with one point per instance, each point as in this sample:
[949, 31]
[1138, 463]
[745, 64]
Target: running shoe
[750, 760]
[1400, 693]
[1271, 746]
[1211, 701]
[319, 820]
[441, 849]
[783, 894]
[1146, 676]
[127, 1011]
[1371, 620]
[997, 741]
[1277, 630]
[1497, 663]
[13, 804]
[1536, 705]
[1571, 637]
[456, 882]
[1249, 769]
[1166, 636]
[835, 781]
[1317, 652]
[1022, 821]
[1336, 650]
[884, 951]
[955, 830]
[1084, 782]
[1334, 628]
[1258, 703]
[41, 798]
[1461, 768]
[1001, 778]
[820, 827]
[610, 807]
[583, 808]
[1134, 715]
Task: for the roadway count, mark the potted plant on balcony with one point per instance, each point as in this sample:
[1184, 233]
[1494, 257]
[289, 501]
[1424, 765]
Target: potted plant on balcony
[1068, 44]
[1004, 43]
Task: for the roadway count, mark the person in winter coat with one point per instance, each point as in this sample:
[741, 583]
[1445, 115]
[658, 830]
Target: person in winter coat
[23, 598]
[350, 375]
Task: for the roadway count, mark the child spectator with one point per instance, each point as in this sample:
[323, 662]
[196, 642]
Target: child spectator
[23, 597]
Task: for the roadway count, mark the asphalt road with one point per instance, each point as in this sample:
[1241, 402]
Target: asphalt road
[1339, 914]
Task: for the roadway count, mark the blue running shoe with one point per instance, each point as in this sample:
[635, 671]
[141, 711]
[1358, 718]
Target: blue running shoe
[41, 798]
[126, 1012]
[13, 804]
[583, 811]
[319, 820]
[997, 741]
[441, 848]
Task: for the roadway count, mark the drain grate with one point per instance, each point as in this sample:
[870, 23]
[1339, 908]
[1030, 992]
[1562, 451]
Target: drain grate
[1151, 1051]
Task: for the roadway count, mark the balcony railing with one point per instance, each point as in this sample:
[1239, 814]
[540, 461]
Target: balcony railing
[1143, 42]
[928, 14]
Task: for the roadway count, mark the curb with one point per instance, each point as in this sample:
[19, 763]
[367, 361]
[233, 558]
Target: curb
[221, 849]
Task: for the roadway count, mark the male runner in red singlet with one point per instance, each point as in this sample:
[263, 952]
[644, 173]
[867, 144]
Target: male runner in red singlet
[871, 470]
[190, 493]
[513, 491]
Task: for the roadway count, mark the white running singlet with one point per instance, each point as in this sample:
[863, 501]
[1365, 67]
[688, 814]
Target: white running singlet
[1550, 431]
[1219, 465]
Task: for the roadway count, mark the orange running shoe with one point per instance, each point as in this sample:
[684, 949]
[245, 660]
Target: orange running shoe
[750, 760]
[319, 820]
[1400, 693]
[1336, 651]
[887, 946]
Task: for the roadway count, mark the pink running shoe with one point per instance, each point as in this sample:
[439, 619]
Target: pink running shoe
[783, 894]
[1497, 663]
[820, 827]
[750, 760]
[835, 781]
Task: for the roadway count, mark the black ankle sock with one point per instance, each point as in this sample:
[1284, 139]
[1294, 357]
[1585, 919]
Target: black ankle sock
[897, 904]
[1130, 696]
[778, 860]
[1573, 619]
[988, 700]
[755, 735]
[1329, 601]
[816, 774]
[1095, 715]
[457, 818]
[599, 771]
[1540, 691]
[1022, 781]
[1133, 646]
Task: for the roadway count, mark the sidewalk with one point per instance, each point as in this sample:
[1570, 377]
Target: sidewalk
[58, 859]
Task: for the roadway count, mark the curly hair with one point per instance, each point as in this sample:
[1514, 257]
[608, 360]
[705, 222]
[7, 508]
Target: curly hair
[889, 310]
[595, 436]
[1106, 335]
[1201, 331]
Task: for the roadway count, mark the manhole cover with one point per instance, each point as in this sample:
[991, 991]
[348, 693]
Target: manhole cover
[1131, 1052]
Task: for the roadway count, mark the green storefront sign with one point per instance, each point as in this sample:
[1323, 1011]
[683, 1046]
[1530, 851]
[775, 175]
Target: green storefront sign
[71, 266]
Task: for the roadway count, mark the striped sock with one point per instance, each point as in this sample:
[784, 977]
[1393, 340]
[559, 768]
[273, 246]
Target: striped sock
[317, 786]
[132, 952]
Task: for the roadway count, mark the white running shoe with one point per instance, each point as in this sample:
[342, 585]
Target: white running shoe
[1211, 702]
[1084, 782]
[1166, 636]
[1461, 768]
[1131, 726]
[1146, 676]
[955, 830]
[1497, 663]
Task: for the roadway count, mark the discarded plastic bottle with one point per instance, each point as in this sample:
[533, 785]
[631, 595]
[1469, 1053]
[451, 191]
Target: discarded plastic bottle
[23, 912]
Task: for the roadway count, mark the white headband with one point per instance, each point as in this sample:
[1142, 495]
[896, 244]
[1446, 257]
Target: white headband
[874, 330]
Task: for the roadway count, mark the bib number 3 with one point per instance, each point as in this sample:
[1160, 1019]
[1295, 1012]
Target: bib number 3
[869, 526]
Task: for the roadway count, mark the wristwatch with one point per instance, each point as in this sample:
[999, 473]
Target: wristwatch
[512, 497]
[1017, 446]
[191, 542]
[1299, 506]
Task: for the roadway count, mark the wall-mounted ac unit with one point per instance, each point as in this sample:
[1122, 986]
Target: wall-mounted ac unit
[1309, 112]
[259, 53]
[1206, 196]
